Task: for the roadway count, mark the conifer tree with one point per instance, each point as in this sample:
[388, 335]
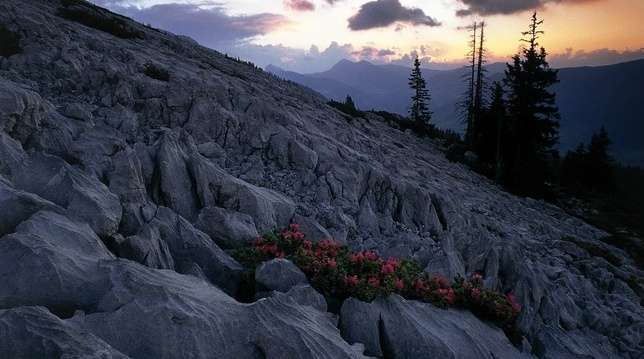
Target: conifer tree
[480, 86]
[534, 115]
[349, 104]
[600, 162]
[497, 112]
[419, 111]
[468, 102]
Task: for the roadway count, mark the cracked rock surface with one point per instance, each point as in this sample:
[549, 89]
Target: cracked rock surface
[119, 194]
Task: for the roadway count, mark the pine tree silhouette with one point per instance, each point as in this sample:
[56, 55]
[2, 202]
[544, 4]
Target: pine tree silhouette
[480, 85]
[419, 111]
[468, 102]
[533, 113]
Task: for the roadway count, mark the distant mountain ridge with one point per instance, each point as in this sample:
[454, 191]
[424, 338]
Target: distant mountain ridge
[588, 97]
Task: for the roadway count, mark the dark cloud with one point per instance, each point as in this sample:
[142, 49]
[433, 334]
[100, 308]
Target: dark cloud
[210, 26]
[299, 5]
[382, 13]
[494, 7]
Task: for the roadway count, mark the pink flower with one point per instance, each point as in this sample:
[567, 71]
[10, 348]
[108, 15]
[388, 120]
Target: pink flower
[399, 284]
[387, 268]
[516, 307]
[307, 244]
[476, 293]
[441, 281]
[419, 285]
[332, 264]
[294, 227]
[374, 282]
[351, 281]
[356, 258]
[371, 255]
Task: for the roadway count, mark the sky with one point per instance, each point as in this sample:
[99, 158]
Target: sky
[312, 35]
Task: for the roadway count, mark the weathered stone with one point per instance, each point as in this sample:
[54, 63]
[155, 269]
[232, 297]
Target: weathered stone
[33, 332]
[279, 274]
[397, 328]
[226, 135]
[229, 229]
[51, 261]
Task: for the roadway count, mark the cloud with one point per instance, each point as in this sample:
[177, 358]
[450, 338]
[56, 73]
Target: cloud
[382, 13]
[599, 57]
[299, 5]
[373, 54]
[210, 26]
[495, 7]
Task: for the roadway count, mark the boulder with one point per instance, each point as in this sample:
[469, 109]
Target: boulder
[304, 294]
[34, 332]
[397, 328]
[83, 196]
[279, 274]
[187, 246]
[311, 228]
[228, 228]
[21, 110]
[51, 260]
[161, 314]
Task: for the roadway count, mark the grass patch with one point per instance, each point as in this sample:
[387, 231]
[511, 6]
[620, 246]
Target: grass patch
[84, 13]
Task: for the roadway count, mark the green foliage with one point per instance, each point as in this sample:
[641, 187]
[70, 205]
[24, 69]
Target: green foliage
[9, 42]
[427, 130]
[534, 117]
[156, 72]
[419, 110]
[348, 107]
[97, 18]
[589, 170]
[340, 273]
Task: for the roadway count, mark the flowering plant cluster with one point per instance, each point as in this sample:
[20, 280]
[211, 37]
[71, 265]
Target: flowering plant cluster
[339, 273]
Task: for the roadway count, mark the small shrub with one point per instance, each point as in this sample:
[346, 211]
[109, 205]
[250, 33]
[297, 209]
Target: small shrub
[9, 42]
[97, 18]
[156, 72]
[339, 273]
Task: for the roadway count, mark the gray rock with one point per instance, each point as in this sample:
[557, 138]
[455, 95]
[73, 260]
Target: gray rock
[226, 135]
[21, 110]
[189, 246]
[78, 111]
[17, 206]
[33, 332]
[311, 228]
[51, 261]
[397, 328]
[305, 295]
[229, 229]
[161, 314]
[279, 274]
[82, 195]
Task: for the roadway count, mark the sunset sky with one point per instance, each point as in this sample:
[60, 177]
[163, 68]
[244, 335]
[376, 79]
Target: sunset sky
[312, 35]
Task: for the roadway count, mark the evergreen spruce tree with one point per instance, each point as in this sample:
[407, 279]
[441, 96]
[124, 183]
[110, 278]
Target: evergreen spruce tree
[349, 104]
[533, 113]
[600, 163]
[497, 112]
[419, 111]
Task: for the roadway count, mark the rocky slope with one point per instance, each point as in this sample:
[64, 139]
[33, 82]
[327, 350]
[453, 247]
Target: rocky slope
[132, 159]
